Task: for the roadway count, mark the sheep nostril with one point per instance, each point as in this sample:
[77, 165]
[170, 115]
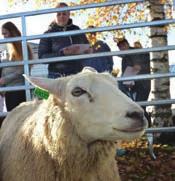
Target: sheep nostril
[135, 115]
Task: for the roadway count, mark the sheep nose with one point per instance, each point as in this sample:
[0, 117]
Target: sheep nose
[140, 119]
[135, 115]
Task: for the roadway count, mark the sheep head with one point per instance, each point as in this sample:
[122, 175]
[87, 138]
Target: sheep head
[98, 109]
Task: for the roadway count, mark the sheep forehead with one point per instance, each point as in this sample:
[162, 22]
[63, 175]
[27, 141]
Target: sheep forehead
[88, 79]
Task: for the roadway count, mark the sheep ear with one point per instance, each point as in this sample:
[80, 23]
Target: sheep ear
[89, 69]
[51, 85]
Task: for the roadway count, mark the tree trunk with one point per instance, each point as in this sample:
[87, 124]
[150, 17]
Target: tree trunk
[160, 88]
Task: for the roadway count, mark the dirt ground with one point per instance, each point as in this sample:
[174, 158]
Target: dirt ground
[137, 164]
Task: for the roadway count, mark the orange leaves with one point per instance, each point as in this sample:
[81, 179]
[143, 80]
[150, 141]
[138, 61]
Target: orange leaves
[113, 15]
[92, 38]
[115, 18]
[132, 5]
[91, 1]
[165, 1]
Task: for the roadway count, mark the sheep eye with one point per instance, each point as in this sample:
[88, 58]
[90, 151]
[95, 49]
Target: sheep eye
[77, 91]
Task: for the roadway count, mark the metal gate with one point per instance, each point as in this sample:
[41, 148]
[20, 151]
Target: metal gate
[24, 38]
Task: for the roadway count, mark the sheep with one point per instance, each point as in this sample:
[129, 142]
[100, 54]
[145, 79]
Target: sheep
[72, 135]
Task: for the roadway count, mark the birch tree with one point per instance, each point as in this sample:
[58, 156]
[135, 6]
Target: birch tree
[161, 115]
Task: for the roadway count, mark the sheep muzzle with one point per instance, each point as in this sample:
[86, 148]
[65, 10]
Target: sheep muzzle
[139, 121]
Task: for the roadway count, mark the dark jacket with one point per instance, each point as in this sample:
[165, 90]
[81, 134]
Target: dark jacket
[101, 64]
[143, 59]
[50, 47]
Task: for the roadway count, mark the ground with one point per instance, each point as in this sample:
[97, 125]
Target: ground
[137, 164]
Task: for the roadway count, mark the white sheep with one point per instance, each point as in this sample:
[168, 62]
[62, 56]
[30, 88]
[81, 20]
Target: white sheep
[71, 136]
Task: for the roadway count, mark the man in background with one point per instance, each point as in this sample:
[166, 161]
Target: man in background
[57, 46]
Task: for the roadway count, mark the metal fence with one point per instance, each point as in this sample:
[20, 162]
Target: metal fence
[24, 38]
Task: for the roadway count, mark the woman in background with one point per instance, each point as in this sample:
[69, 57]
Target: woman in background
[12, 76]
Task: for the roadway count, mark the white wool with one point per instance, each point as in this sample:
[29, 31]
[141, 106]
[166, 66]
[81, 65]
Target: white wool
[71, 136]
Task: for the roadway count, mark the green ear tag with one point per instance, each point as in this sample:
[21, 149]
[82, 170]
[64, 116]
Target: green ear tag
[41, 93]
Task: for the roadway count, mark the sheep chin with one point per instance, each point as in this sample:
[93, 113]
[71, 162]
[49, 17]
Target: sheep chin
[131, 135]
[130, 130]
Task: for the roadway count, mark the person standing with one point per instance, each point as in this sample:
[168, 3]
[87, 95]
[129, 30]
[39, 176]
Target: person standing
[2, 106]
[12, 76]
[101, 64]
[135, 64]
[56, 46]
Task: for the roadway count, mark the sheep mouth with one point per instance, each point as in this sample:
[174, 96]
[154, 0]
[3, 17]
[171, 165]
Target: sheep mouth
[130, 130]
[100, 142]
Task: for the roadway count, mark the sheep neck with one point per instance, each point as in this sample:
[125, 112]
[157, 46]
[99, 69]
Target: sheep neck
[76, 159]
[71, 155]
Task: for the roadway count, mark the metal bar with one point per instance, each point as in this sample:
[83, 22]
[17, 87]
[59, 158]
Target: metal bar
[92, 55]
[25, 57]
[100, 29]
[142, 103]
[106, 28]
[156, 102]
[14, 88]
[8, 40]
[146, 76]
[160, 130]
[3, 114]
[150, 139]
[70, 8]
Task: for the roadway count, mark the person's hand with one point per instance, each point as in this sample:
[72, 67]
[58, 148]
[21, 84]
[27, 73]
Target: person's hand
[137, 68]
[77, 49]
[71, 50]
[89, 50]
[2, 81]
[129, 84]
